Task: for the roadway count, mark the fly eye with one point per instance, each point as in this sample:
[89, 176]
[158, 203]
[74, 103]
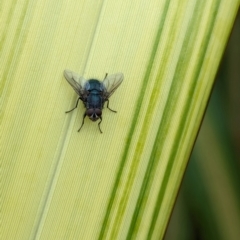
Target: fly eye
[98, 112]
[90, 112]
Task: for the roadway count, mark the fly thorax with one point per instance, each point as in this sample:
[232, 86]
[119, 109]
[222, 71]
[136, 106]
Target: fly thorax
[95, 100]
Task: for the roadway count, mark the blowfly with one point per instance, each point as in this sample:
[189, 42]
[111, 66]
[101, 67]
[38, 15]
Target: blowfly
[93, 93]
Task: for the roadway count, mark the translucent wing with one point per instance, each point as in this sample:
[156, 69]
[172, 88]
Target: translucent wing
[76, 81]
[111, 83]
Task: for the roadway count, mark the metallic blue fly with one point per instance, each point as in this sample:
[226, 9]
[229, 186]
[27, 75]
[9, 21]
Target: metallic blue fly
[93, 93]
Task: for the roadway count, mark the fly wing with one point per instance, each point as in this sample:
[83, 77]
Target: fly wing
[77, 82]
[111, 83]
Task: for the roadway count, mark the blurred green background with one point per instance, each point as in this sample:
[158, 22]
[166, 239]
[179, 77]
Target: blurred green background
[208, 204]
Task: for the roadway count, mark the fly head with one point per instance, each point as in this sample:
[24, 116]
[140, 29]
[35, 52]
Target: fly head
[94, 113]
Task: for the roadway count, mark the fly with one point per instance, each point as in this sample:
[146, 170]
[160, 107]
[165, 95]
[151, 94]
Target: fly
[93, 93]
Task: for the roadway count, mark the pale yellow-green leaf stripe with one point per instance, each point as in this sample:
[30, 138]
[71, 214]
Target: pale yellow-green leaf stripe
[57, 183]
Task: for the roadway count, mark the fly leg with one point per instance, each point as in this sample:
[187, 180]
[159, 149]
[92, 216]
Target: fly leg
[109, 107]
[105, 76]
[99, 125]
[82, 121]
[74, 107]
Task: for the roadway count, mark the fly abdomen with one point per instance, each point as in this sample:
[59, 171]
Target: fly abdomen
[94, 84]
[95, 96]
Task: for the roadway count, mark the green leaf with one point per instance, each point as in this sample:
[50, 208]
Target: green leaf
[61, 184]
